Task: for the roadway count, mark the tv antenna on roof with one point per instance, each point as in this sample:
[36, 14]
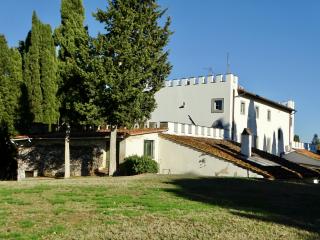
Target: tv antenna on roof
[210, 70]
[228, 63]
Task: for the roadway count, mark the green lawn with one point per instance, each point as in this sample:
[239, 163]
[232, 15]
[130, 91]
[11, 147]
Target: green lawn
[159, 207]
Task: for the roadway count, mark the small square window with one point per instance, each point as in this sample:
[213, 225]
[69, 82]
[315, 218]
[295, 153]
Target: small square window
[243, 108]
[217, 105]
[269, 115]
[257, 112]
[149, 148]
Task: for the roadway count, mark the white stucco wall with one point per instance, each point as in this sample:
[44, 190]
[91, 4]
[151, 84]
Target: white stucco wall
[178, 159]
[196, 99]
[134, 145]
[267, 131]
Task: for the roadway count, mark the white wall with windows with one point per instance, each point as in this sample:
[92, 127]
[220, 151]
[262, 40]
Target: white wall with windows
[216, 102]
[204, 101]
[270, 126]
[146, 144]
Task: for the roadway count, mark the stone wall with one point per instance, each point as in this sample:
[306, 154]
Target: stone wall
[46, 157]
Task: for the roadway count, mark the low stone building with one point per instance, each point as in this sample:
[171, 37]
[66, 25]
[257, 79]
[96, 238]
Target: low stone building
[177, 148]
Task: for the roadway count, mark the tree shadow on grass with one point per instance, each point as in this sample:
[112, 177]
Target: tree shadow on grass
[291, 204]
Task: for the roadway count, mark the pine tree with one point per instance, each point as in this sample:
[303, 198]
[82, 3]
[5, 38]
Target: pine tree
[32, 75]
[133, 58]
[77, 76]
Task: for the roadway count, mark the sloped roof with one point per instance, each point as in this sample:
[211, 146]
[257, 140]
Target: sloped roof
[269, 102]
[231, 151]
[136, 131]
[220, 148]
[91, 134]
[308, 154]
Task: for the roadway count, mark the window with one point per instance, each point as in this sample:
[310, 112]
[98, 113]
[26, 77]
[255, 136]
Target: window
[217, 105]
[257, 112]
[148, 148]
[269, 115]
[243, 108]
[190, 129]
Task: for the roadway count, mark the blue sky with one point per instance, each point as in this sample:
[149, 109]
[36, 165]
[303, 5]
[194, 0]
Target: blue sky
[274, 45]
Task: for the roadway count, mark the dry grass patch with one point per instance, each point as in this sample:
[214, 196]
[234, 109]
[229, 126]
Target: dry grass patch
[158, 207]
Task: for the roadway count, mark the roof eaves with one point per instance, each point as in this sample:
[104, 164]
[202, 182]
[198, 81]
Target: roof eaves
[244, 92]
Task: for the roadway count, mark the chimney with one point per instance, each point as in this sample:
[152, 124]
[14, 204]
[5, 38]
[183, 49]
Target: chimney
[246, 142]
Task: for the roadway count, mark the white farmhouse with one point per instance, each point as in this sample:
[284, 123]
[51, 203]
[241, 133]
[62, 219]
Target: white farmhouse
[220, 102]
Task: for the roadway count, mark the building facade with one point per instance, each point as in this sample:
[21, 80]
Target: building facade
[220, 102]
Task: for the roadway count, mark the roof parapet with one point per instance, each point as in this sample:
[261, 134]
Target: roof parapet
[219, 78]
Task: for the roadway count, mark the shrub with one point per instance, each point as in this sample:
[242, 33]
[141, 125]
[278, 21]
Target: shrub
[134, 165]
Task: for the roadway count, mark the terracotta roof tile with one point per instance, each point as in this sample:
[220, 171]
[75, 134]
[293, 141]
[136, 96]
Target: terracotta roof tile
[220, 148]
[308, 154]
[136, 131]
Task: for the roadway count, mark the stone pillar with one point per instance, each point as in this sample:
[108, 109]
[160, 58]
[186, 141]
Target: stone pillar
[66, 158]
[113, 151]
[104, 157]
[246, 142]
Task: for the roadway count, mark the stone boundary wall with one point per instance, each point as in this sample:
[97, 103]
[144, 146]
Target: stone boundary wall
[46, 157]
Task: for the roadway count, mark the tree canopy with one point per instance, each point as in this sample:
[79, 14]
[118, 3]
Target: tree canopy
[132, 59]
[69, 76]
[10, 80]
[76, 73]
[40, 78]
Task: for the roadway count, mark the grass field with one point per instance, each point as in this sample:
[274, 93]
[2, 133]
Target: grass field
[159, 207]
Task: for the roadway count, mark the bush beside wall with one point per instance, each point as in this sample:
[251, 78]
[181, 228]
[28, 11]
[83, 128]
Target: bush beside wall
[135, 164]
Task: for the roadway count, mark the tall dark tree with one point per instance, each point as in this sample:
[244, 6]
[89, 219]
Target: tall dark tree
[40, 72]
[10, 80]
[77, 76]
[32, 72]
[134, 61]
[48, 71]
[8, 153]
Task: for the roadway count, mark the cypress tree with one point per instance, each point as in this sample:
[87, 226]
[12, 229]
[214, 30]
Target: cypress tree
[32, 75]
[10, 80]
[48, 70]
[16, 81]
[40, 73]
[77, 76]
[5, 82]
[133, 59]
